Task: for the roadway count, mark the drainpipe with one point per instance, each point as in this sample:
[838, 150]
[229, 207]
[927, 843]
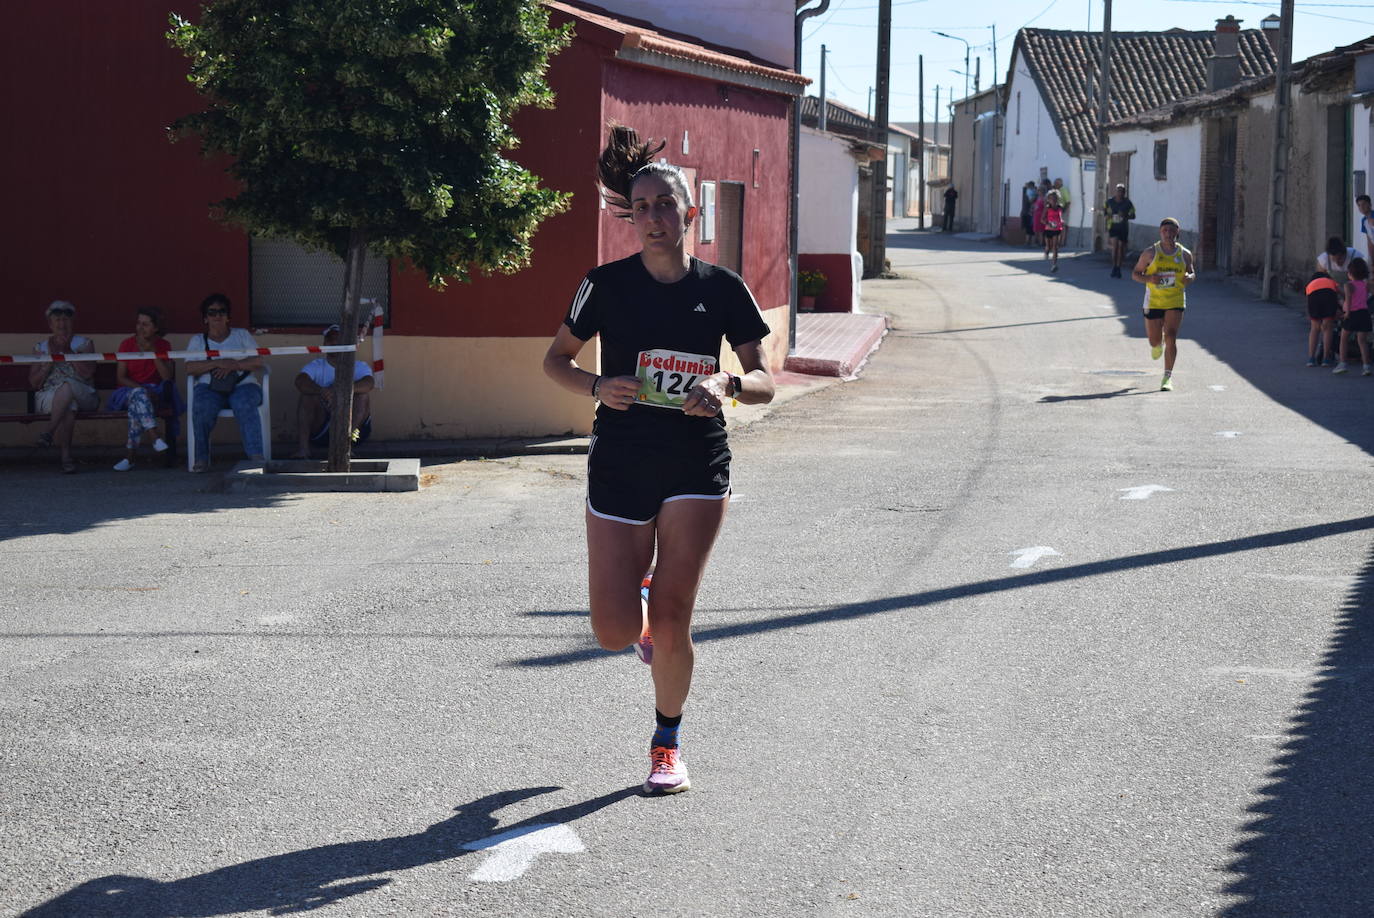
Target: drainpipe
[794, 234]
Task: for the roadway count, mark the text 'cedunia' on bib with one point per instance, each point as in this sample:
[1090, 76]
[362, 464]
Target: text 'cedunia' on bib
[665, 377]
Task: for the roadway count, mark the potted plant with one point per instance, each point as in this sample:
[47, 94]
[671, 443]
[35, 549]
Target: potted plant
[810, 284]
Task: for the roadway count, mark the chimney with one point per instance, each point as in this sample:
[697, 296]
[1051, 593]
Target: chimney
[1223, 67]
[1270, 26]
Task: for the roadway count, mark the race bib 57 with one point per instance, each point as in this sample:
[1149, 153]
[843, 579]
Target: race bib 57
[665, 377]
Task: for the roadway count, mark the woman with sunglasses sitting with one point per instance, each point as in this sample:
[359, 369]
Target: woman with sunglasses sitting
[62, 389]
[224, 382]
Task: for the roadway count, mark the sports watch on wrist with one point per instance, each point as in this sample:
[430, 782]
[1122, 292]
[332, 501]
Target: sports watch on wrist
[736, 385]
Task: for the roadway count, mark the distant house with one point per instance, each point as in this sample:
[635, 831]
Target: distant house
[112, 216]
[1207, 160]
[1052, 101]
[976, 163]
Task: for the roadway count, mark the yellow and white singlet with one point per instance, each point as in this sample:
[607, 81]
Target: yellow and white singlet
[1169, 293]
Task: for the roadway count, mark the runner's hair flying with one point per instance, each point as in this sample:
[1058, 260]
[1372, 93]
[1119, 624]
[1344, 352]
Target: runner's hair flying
[626, 159]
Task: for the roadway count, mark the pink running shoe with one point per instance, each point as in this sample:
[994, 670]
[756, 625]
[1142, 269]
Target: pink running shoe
[667, 774]
[644, 647]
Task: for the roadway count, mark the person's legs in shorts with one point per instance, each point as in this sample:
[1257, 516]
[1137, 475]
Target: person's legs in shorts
[1173, 318]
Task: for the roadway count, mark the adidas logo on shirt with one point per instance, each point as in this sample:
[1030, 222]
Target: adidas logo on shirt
[700, 308]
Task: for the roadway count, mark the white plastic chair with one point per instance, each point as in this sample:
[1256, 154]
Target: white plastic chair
[264, 413]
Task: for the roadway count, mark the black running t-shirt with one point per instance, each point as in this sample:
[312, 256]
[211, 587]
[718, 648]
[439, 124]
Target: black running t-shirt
[666, 334]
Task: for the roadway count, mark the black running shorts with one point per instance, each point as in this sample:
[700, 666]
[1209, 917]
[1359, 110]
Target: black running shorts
[629, 479]
[1357, 320]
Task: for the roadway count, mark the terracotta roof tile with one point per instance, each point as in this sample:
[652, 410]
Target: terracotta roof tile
[1148, 70]
[1310, 72]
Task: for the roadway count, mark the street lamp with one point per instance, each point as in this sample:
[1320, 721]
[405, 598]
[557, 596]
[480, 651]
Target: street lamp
[967, 50]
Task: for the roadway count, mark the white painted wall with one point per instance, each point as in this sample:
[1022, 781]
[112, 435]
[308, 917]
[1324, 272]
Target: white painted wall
[1362, 159]
[1031, 144]
[828, 218]
[1176, 196]
[829, 215]
[761, 27]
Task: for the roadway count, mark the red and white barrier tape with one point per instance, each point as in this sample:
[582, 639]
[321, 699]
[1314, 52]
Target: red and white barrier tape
[105, 357]
[295, 349]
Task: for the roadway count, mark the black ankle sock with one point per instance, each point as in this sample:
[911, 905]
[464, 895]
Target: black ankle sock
[666, 734]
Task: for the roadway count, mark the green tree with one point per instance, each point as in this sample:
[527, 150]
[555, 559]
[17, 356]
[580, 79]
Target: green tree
[375, 124]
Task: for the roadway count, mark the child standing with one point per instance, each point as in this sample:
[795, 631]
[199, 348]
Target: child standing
[1355, 317]
[1054, 228]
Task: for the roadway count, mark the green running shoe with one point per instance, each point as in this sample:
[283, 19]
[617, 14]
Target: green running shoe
[1156, 351]
[1167, 385]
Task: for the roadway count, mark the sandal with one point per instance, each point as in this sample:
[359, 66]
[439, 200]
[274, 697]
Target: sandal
[44, 439]
[69, 468]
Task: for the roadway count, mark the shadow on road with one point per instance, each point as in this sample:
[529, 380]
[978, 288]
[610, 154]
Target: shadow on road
[302, 881]
[1313, 848]
[910, 601]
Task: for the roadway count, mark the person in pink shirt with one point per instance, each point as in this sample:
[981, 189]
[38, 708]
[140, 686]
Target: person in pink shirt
[1355, 317]
[1052, 216]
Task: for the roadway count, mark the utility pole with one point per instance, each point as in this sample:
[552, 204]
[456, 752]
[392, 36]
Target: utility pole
[1272, 285]
[877, 237]
[977, 73]
[820, 120]
[921, 141]
[1104, 83]
[936, 176]
[868, 109]
[793, 230]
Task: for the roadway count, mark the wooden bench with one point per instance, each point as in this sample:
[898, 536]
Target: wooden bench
[15, 378]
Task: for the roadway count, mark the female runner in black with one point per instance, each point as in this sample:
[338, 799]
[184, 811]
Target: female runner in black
[658, 468]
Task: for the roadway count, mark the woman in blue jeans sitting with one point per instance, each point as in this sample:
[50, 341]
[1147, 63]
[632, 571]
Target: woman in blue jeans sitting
[224, 382]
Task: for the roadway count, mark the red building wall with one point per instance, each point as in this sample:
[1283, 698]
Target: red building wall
[105, 212]
[725, 124]
[101, 209]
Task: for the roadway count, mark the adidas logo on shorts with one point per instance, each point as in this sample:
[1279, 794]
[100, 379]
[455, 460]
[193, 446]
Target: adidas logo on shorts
[701, 307]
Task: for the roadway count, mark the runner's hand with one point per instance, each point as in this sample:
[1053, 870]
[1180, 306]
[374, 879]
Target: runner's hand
[618, 392]
[706, 397]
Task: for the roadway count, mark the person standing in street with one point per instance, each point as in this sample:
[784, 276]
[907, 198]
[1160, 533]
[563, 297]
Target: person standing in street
[1355, 315]
[1366, 210]
[1053, 218]
[1065, 199]
[1120, 212]
[951, 196]
[1166, 270]
[658, 467]
[1028, 196]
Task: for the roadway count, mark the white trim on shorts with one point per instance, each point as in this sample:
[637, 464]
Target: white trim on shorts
[620, 519]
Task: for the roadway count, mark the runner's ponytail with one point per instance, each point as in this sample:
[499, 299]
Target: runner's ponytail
[625, 159]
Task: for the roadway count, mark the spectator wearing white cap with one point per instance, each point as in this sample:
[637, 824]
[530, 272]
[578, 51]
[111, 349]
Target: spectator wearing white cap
[62, 389]
[315, 403]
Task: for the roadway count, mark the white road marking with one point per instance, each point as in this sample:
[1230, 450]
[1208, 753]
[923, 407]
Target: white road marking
[1142, 492]
[1025, 557]
[512, 853]
[1217, 388]
[1228, 434]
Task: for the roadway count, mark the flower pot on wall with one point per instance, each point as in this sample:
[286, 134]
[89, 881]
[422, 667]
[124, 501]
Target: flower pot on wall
[806, 303]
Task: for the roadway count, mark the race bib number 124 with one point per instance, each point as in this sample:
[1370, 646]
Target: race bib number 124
[665, 377]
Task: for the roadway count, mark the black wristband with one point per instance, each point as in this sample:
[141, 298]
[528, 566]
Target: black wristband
[596, 387]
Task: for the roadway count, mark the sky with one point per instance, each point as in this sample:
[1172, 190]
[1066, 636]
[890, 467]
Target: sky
[849, 30]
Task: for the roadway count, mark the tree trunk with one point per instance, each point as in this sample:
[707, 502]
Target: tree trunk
[341, 420]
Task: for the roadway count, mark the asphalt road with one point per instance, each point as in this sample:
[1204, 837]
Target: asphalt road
[998, 629]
